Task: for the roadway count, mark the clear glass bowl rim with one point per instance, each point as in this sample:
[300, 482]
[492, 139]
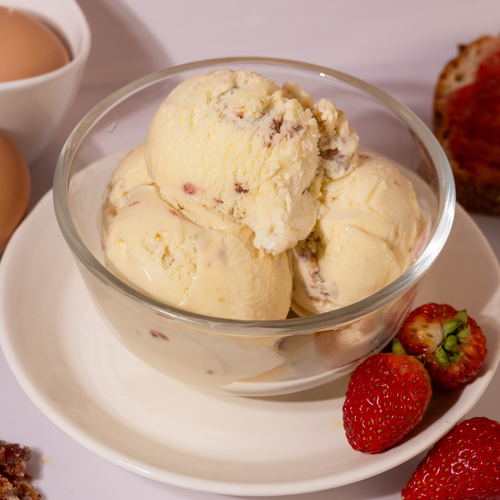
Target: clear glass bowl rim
[336, 318]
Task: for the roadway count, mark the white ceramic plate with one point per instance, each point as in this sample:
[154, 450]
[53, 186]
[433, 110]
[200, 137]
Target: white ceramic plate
[82, 379]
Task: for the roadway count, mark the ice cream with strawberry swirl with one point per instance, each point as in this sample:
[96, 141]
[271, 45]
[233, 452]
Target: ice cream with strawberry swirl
[236, 144]
[216, 272]
[368, 236]
[237, 178]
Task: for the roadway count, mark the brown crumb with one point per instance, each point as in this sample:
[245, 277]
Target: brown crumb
[14, 482]
[239, 188]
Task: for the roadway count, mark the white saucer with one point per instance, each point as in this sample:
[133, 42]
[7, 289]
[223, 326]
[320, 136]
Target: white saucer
[82, 379]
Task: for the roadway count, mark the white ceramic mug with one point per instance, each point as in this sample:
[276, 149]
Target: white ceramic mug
[32, 108]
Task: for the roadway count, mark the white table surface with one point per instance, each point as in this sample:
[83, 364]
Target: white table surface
[398, 45]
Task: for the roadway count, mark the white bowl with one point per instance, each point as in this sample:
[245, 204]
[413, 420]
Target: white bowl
[32, 108]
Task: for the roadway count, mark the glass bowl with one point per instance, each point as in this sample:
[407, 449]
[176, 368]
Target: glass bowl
[250, 358]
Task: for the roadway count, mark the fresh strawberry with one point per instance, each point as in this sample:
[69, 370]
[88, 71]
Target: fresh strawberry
[449, 343]
[464, 465]
[386, 398]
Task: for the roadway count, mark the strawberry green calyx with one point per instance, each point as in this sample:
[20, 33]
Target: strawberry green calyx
[449, 343]
[462, 316]
[450, 326]
[455, 332]
[442, 357]
[397, 347]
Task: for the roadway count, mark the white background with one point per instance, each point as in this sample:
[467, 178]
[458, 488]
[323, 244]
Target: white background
[399, 45]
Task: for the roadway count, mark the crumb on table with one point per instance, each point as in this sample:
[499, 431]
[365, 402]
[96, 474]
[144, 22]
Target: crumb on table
[14, 482]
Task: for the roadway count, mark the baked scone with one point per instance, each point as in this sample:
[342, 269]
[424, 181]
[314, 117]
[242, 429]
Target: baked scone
[467, 123]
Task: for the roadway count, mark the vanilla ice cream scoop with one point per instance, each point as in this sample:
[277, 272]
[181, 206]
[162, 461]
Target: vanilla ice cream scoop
[365, 240]
[214, 272]
[337, 142]
[130, 173]
[235, 144]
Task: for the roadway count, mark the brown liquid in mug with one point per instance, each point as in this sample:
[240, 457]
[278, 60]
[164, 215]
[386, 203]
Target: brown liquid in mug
[28, 47]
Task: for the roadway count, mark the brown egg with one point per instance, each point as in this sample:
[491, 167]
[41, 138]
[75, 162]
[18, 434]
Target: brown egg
[15, 189]
[27, 47]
